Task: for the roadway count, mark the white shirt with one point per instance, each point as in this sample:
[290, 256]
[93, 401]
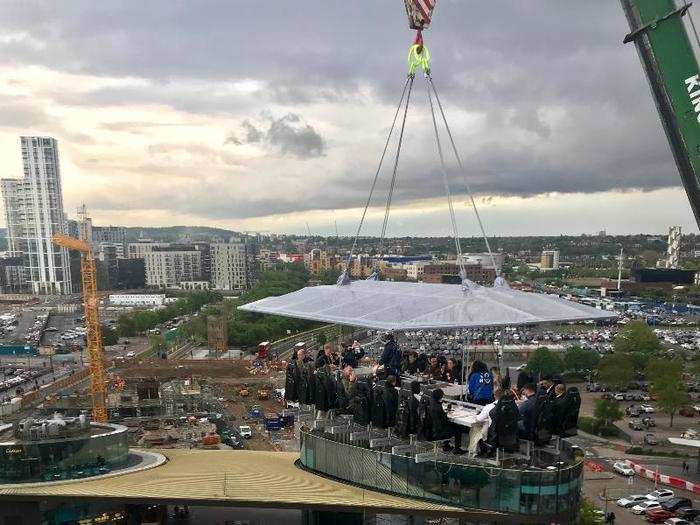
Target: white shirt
[483, 415]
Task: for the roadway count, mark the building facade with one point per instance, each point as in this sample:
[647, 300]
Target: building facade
[229, 266]
[168, 267]
[34, 213]
[139, 249]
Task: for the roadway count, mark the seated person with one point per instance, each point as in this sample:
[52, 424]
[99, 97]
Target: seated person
[443, 428]
[525, 408]
[409, 364]
[479, 430]
[452, 372]
[434, 370]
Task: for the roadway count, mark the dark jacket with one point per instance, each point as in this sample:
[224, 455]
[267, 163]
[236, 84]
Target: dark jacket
[352, 357]
[453, 376]
[391, 404]
[409, 368]
[291, 383]
[558, 415]
[526, 413]
[322, 360]
[391, 358]
[438, 417]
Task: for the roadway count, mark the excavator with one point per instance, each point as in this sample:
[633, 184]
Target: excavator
[659, 31]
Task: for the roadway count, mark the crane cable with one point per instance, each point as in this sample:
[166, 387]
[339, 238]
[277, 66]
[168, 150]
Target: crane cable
[466, 182]
[392, 185]
[446, 183]
[345, 277]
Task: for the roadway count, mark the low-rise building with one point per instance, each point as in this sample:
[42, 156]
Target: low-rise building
[132, 299]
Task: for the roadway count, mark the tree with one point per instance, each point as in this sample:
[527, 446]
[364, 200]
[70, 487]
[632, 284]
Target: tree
[321, 339]
[666, 378]
[158, 345]
[606, 412]
[126, 326]
[544, 362]
[639, 341]
[109, 336]
[577, 359]
[588, 514]
[616, 370]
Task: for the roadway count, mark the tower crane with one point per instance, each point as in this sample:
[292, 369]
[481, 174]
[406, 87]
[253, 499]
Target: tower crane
[98, 386]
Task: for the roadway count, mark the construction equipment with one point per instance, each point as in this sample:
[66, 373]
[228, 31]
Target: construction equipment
[666, 52]
[98, 385]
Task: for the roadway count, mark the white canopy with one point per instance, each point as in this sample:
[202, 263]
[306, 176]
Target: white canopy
[386, 305]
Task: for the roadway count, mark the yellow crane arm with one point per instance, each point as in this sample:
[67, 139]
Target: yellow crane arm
[66, 241]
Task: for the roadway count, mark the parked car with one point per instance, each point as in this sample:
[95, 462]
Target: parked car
[648, 421]
[245, 431]
[661, 495]
[676, 503]
[623, 468]
[629, 396]
[688, 513]
[676, 521]
[644, 506]
[658, 515]
[647, 408]
[686, 412]
[619, 397]
[650, 439]
[631, 501]
[635, 424]
[633, 411]
[689, 434]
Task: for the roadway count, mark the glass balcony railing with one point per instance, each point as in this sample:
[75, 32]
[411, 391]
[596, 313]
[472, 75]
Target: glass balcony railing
[546, 489]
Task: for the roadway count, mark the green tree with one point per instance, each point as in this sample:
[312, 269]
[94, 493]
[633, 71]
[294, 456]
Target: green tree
[666, 378]
[577, 359]
[544, 362]
[126, 326]
[589, 514]
[321, 339]
[616, 370]
[158, 345]
[639, 341]
[109, 336]
[606, 412]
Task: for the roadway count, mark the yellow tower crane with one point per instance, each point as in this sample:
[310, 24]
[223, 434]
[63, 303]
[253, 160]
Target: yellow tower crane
[98, 385]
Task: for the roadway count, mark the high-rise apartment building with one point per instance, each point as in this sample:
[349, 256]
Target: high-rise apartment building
[110, 234]
[229, 266]
[139, 249]
[34, 213]
[168, 267]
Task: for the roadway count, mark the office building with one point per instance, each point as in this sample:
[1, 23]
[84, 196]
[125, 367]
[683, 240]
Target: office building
[485, 260]
[34, 213]
[131, 274]
[168, 267]
[229, 266]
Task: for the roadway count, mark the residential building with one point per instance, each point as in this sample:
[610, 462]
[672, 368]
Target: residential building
[168, 267]
[110, 234]
[12, 275]
[229, 265]
[139, 249]
[549, 260]
[448, 272]
[34, 213]
[73, 228]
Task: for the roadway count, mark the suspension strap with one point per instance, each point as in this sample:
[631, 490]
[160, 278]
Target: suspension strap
[455, 230]
[345, 276]
[418, 57]
[392, 185]
[499, 281]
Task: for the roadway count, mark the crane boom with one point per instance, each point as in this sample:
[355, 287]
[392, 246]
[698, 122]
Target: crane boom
[671, 67]
[93, 328]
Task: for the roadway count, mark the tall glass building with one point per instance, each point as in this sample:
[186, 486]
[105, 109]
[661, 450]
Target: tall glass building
[34, 213]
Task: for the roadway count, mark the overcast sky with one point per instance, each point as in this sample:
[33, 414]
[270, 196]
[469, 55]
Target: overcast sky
[271, 115]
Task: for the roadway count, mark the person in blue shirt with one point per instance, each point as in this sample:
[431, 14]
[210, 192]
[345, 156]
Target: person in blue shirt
[480, 384]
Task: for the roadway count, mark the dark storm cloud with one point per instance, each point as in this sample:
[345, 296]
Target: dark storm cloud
[294, 137]
[564, 105]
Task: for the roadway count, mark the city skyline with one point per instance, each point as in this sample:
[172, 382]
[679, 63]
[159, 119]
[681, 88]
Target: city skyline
[271, 128]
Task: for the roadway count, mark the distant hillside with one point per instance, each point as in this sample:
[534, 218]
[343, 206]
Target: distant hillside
[177, 233]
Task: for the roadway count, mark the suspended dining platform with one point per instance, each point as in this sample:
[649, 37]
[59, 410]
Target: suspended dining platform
[384, 305]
